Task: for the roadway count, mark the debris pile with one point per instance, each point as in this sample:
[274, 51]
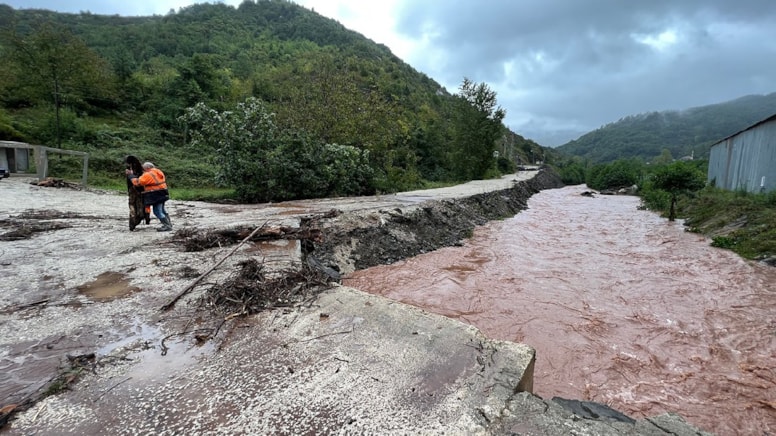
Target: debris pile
[51, 182]
[194, 240]
[252, 290]
[28, 223]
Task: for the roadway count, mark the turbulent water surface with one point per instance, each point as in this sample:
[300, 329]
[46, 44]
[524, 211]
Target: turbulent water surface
[622, 306]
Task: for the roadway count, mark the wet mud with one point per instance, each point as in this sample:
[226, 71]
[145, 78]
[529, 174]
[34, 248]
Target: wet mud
[623, 307]
[107, 286]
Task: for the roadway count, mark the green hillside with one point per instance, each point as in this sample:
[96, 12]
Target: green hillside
[113, 85]
[682, 133]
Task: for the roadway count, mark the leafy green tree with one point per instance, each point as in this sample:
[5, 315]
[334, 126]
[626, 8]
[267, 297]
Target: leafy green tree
[615, 175]
[678, 178]
[57, 66]
[477, 128]
[665, 157]
[572, 171]
[332, 102]
[263, 162]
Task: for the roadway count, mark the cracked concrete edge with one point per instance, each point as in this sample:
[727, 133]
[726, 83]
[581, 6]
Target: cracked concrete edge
[472, 376]
[484, 383]
[527, 414]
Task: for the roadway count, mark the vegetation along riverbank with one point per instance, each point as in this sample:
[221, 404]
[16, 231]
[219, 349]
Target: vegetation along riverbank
[740, 221]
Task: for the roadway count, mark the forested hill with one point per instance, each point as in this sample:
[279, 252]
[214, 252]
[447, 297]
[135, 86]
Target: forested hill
[123, 83]
[682, 133]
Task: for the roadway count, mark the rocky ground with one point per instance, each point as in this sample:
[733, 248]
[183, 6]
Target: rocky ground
[234, 323]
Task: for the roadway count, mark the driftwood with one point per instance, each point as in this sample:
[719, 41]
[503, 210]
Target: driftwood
[188, 288]
[24, 306]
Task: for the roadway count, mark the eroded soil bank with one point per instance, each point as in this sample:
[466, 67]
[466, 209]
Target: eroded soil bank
[386, 235]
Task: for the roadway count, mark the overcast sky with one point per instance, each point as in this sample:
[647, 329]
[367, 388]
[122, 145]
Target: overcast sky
[560, 68]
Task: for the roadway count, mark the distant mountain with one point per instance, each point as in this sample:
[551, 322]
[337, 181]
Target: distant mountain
[550, 138]
[683, 133]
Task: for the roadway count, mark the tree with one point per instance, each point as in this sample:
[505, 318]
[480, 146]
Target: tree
[332, 102]
[329, 101]
[678, 178]
[665, 158]
[266, 163]
[615, 175]
[477, 128]
[59, 67]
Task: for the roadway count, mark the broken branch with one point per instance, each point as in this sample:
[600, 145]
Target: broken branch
[188, 289]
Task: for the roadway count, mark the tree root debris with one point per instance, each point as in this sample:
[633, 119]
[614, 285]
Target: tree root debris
[251, 291]
[194, 240]
[51, 182]
[28, 230]
[30, 222]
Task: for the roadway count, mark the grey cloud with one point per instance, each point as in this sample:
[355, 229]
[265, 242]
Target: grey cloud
[595, 71]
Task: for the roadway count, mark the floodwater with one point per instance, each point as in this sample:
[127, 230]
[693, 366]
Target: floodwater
[623, 308]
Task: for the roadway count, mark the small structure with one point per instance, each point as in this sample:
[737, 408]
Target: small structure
[746, 160]
[16, 157]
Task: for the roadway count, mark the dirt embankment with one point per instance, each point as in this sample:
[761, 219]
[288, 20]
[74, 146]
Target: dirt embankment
[383, 236]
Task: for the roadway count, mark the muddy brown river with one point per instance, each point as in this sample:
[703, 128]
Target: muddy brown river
[622, 307]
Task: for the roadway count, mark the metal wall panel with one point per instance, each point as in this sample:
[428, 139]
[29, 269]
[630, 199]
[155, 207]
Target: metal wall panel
[746, 160]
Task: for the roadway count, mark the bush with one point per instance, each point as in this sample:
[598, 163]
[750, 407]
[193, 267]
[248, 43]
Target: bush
[571, 172]
[723, 242]
[654, 199]
[265, 163]
[615, 175]
[505, 166]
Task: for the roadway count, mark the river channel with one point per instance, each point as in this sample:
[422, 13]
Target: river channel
[622, 306]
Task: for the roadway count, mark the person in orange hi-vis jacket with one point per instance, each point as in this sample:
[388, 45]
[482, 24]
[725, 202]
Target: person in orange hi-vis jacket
[154, 193]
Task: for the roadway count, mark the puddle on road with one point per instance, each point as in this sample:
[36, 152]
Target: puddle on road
[108, 286]
[145, 345]
[28, 367]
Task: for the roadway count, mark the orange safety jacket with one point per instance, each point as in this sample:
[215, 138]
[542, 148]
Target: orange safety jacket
[154, 186]
[151, 180]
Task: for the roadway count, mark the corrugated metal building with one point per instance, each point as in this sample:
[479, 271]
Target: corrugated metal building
[746, 160]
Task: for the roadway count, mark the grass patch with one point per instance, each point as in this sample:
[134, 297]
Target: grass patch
[203, 194]
[742, 222]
